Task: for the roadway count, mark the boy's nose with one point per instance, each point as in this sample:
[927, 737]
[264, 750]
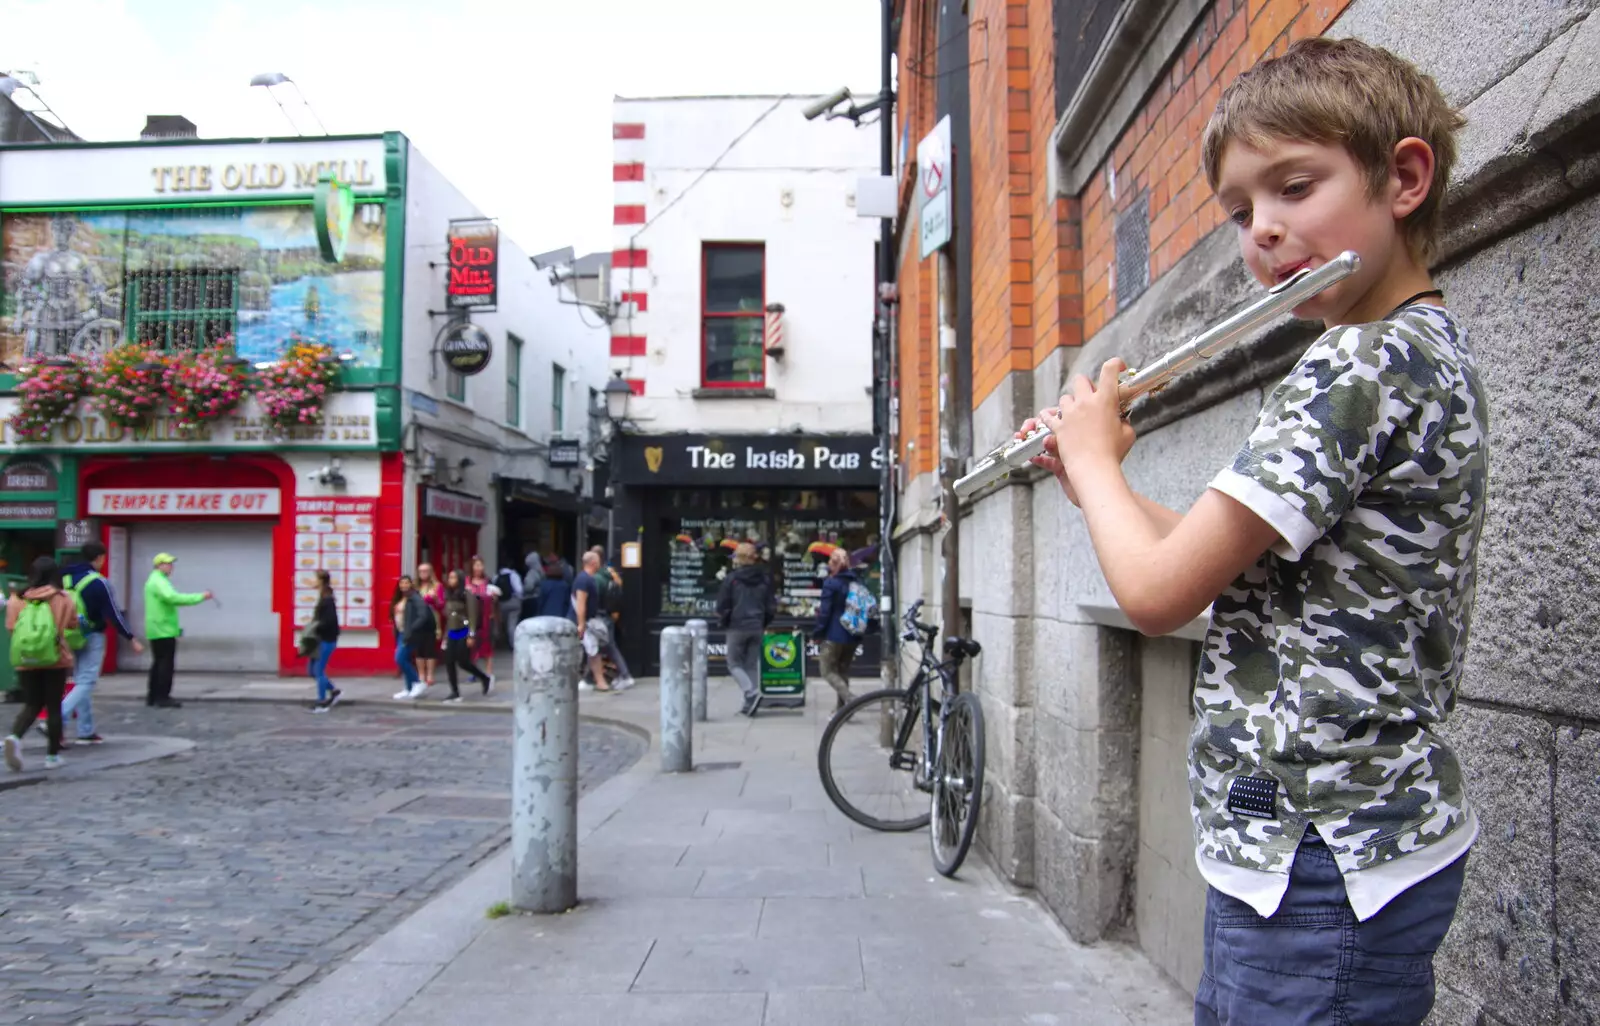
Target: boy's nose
[1265, 229]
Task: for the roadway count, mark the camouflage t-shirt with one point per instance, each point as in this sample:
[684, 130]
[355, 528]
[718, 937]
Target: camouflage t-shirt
[1328, 664]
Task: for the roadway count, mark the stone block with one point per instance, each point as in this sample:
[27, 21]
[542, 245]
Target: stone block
[1065, 570]
[1528, 301]
[997, 554]
[1086, 674]
[1571, 96]
[1172, 465]
[1087, 882]
[1503, 37]
[1000, 413]
[1499, 950]
[1497, 121]
[1087, 778]
[1006, 833]
[1577, 868]
[1009, 737]
[1004, 671]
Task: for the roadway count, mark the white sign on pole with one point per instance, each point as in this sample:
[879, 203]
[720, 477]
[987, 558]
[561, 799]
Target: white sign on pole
[933, 188]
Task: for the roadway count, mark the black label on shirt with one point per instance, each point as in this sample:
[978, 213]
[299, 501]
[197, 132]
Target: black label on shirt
[1253, 796]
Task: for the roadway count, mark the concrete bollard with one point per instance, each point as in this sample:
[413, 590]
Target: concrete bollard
[677, 745]
[544, 767]
[697, 667]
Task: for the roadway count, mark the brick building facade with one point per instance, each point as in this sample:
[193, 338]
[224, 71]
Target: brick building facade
[1088, 231]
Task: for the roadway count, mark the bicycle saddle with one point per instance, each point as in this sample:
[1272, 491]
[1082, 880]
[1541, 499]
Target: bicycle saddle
[965, 647]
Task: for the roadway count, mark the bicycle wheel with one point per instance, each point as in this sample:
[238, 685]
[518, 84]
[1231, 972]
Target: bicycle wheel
[870, 757]
[957, 784]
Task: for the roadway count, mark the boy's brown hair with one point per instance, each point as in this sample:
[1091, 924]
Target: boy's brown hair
[1345, 92]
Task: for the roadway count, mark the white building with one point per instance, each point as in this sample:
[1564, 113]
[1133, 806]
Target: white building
[479, 446]
[744, 290]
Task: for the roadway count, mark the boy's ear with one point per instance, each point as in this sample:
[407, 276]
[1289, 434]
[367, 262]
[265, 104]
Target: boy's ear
[1410, 176]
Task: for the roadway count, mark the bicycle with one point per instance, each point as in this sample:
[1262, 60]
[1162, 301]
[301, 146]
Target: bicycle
[873, 752]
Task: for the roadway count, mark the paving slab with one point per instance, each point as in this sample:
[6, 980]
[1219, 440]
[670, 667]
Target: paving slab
[740, 896]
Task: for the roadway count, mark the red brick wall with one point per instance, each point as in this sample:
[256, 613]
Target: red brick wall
[1159, 152]
[918, 351]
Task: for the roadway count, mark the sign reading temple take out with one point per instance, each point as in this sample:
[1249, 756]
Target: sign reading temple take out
[184, 502]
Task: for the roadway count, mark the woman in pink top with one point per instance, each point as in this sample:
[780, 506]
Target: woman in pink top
[488, 593]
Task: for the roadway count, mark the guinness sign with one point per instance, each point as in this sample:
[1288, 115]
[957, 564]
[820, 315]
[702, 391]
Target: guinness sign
[466, 347]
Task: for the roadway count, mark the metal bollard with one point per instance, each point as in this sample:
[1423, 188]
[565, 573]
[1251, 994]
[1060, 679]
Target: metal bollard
[677, 745]
[544, 773]
[697, 667]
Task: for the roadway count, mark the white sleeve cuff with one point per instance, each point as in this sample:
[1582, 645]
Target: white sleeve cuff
[1296, 533]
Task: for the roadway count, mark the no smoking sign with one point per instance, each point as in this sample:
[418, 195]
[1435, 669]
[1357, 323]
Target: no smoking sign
[933, 174]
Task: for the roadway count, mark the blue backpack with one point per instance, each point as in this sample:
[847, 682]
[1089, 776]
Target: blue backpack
[860, 609]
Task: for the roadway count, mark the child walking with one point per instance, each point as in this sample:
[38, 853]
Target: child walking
[38, 620]
[1338, 552]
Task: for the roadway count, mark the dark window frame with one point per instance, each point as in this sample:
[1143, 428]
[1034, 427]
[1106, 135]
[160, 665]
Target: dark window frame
[513, 380]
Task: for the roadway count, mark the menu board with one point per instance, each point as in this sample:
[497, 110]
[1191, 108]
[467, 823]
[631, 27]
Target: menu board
[803, 548]
[336, 535]
[699, 555]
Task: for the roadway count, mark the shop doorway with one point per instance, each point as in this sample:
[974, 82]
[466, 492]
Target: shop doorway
[20, 547]
[238, 633]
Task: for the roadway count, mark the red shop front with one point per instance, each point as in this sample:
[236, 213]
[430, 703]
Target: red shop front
[239, 528]
[448, 530]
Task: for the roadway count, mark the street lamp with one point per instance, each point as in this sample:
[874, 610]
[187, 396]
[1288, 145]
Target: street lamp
[617, 393]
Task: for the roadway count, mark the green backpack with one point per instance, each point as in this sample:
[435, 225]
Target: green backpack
[74, 634]
[35, 643]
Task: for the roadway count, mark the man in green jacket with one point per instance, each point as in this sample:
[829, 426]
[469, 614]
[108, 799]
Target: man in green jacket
[161, 602]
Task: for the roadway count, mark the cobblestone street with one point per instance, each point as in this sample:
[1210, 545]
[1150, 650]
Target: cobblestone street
[207, 886]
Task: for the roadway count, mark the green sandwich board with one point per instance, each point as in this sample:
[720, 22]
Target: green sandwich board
[783, 668]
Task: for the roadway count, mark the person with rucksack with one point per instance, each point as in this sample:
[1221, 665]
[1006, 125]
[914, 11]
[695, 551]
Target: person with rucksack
[746, 604]
[846, 613]
[38, 620]
[97, 612]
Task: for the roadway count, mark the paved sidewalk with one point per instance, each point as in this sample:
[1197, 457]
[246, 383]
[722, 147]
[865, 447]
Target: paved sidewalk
[264, 687]
[737, 895]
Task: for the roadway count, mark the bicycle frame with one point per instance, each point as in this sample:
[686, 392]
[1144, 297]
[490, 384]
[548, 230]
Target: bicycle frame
[947, 671]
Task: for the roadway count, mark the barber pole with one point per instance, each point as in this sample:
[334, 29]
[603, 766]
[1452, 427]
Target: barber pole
[774, 329]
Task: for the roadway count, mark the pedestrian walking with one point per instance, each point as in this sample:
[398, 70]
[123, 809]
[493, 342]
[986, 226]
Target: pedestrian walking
[488, 594]
[413, 626]
[325, 628]
[510, 584]
[594, 627]
[38, 620]
[746, 604]
[161, 603]
[553, 595]
[1339, 548]
[463, 619]
[86, 580]
[837, 641]
[609, 582]
[424, 645]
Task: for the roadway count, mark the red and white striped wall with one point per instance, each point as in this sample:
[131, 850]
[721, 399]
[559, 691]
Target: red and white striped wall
[630, 258]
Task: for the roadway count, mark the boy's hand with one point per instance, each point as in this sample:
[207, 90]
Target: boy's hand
[1091, 419]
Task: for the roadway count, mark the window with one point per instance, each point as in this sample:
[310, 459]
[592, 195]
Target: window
[455, 386]
[513, 380]
[182, 309]
[558, 398]
[733, 315]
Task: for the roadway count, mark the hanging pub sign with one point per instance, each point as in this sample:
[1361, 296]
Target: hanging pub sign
[72, 535]
[474, 265]
[466, 347]
[333, 206]
[564, 452]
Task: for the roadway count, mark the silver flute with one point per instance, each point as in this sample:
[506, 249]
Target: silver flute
[1285, 296]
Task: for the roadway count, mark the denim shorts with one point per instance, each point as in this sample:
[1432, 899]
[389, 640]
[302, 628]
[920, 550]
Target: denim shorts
[1313, 963]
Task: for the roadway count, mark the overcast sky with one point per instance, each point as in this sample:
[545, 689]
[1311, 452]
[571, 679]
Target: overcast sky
[510, 99]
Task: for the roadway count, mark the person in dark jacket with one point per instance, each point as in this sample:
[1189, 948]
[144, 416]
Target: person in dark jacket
[100, 613]
[746, 604]
[325, 627]
[463, 619]
[414, 625]
[553, 596]
[838, 646]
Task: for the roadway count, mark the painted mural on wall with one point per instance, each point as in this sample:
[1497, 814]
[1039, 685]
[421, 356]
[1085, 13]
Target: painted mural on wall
[82, 281]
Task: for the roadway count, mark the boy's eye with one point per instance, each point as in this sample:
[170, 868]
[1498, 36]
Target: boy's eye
[1240, 216]
[1296, 188]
